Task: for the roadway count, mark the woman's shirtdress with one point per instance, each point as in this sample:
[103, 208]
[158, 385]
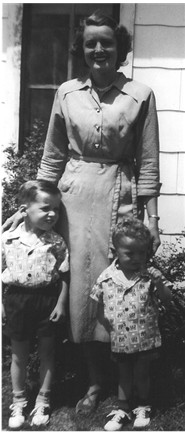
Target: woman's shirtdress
[105, 156]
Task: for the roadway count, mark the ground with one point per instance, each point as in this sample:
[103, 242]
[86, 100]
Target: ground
[168, 384]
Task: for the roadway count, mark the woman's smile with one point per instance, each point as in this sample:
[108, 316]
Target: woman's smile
[100, 48]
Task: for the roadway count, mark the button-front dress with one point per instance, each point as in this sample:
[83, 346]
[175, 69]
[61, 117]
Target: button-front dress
[103, 152]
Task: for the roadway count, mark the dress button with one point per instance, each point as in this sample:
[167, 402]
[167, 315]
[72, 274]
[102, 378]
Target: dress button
[98, 110]
[96, 145]
[29, 274]
[97, 127]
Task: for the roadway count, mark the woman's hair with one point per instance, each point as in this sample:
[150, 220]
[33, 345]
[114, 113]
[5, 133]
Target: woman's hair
[132, 228]
[123, 37]
[29, 190]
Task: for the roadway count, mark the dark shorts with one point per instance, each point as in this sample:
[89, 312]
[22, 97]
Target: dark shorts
[28, 311]
[149, 355]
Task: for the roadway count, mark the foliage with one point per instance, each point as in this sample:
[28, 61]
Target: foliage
[20, 168]
[171, 260]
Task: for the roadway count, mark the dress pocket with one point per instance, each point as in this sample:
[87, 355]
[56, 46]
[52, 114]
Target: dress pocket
[70, 183]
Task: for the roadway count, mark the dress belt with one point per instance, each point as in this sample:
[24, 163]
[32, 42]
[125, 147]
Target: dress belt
[93, 159]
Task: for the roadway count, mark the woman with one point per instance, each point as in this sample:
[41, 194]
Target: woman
[102, 147]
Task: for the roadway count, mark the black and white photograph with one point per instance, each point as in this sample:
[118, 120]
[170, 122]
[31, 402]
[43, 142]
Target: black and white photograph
[93, 216]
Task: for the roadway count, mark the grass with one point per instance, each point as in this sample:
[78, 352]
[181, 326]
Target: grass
[168, 385]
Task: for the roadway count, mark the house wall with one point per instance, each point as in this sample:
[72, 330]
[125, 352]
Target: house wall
[158, 60]
[11, 71]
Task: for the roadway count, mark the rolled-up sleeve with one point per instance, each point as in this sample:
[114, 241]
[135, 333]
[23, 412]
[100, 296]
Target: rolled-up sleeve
[147, 151]
[56, 146]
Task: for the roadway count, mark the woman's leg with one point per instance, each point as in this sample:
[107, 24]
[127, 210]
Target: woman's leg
[93, 353]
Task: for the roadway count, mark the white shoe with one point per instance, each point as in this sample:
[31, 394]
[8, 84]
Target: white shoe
[142, 419]
[119, 418]
[17, 417]
[40, 415]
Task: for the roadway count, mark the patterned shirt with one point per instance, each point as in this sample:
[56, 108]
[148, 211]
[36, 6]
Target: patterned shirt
[34, 265]
[130, 308]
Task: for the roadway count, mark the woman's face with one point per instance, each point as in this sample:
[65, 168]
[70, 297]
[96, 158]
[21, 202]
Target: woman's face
[100, 48]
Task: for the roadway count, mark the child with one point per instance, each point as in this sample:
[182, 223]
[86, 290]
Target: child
[125, 292]
[36, 275]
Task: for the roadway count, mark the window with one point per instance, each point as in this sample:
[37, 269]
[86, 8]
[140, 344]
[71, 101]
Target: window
[48, 31]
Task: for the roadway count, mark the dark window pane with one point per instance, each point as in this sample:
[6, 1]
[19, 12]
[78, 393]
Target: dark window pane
[48, 51]
[40, 104]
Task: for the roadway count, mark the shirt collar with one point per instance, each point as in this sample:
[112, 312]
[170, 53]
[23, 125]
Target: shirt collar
[121, 82]
[19, 233]
[117, 275]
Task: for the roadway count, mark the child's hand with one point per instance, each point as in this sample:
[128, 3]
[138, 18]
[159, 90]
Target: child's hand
[162, 285]
[58, 313]
[155, 275]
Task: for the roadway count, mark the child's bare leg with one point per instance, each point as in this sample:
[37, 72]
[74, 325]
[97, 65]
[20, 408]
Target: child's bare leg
[125, 384]
[142, 379]
[46, 354]
[20, 352]
[41, 412]
[142, 382]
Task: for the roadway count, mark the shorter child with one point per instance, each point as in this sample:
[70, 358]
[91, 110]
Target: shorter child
[36, 275]
[125, 292]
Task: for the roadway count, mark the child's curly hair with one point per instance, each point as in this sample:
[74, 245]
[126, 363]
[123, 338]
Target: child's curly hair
[133, 228]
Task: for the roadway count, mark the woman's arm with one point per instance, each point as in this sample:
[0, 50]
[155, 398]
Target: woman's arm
[147, 164]
[56, 145]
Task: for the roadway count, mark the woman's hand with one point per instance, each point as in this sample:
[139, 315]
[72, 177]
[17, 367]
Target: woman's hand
[151, 206]
[154, 231]
[13, 221]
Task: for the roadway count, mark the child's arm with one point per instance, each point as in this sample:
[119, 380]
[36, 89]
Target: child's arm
[59, 312]
[162, 285]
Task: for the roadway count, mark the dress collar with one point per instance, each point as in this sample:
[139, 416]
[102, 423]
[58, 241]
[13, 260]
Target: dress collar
[121, 82]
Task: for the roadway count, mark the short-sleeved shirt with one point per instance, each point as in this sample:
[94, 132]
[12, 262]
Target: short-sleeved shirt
[130, 308]
[33, 265]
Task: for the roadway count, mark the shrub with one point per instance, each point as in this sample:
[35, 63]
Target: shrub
[171, 260]
[20, 168]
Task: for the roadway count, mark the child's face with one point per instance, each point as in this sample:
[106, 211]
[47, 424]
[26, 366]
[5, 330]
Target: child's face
[44, 211]
[132, 254]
